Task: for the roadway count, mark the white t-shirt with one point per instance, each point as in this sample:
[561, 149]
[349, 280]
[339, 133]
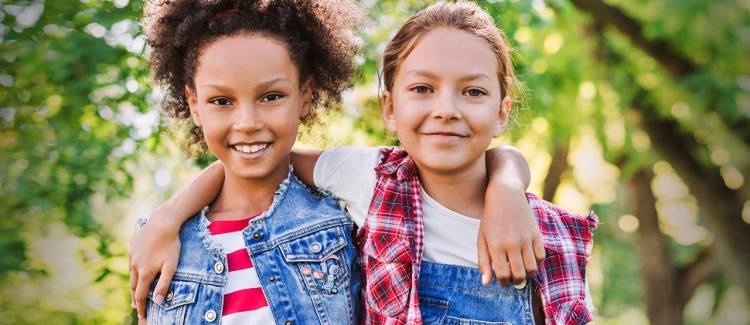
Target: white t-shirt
[449, 237]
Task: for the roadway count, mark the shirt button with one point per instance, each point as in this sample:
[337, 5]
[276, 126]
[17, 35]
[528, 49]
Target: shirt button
[170, 295]
[316, 247]
[288, 322]
[272, 279]
[520, 285]
[210, 316]
[256, 235]
[219, 267]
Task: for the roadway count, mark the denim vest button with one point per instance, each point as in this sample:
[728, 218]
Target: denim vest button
[219, 267]
[210, 316]
[256, 235]
[316, 247]
[272, 279]
[170, 295]
[520, 285]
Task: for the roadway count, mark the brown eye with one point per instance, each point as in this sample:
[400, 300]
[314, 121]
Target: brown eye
[221, 101]
[421, 89]
[475, 92]
[271, 97]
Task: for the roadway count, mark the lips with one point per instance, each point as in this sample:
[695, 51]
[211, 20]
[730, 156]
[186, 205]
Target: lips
[447, 134]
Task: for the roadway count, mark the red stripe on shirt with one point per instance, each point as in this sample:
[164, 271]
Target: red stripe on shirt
[219, 227]
[244, 300]
[239, 260]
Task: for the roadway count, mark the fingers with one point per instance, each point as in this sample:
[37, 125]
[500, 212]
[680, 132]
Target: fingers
[163, 284]
[141, 294]
[517, 268]
[502, 269]
[133, 285]
[529, 260]
[484, 260]
[538, 245]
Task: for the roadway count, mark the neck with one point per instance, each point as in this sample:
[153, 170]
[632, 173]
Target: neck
[243, 198]
[460, 191]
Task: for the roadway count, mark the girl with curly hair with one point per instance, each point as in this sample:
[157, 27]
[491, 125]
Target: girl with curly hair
[268, 249]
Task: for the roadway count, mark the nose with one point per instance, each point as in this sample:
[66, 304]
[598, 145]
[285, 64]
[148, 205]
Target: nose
[446, 107]
[248, 119]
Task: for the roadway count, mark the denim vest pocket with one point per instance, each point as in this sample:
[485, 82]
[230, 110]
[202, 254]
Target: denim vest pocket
[319, 257]
[180, 296]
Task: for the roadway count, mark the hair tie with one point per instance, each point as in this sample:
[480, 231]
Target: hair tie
[225, 12]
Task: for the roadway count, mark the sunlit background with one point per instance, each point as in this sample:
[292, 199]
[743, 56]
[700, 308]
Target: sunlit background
[638, 110]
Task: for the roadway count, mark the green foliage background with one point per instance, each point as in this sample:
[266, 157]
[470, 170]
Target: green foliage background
[83, 151]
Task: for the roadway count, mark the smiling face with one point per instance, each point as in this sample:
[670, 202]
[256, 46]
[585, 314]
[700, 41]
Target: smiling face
[446, 103]
[248, 100]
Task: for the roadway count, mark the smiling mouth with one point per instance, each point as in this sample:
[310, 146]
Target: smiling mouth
[444, 134]
[250, 148]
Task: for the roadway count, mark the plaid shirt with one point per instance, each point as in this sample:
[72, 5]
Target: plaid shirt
[392, 242]
[392, 245]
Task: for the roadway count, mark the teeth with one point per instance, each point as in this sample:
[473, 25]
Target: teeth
[251, 149]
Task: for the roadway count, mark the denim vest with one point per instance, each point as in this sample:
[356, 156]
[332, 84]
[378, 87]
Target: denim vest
[302, 236]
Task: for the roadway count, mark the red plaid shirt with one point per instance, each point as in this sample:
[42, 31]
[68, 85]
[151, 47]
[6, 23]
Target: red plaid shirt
[392, 244]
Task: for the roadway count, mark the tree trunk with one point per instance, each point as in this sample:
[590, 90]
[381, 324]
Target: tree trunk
[557, 167]
[720, 206]
[667, 288]
[662, 303]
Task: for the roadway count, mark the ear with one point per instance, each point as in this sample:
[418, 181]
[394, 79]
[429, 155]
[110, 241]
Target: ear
[502, 121]
[389, 117]
[193, 104]
[306, 96]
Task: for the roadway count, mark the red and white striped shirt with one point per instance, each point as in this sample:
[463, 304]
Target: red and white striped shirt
[244, 301]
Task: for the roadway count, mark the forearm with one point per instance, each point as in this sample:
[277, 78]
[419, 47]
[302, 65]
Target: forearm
[199, 192]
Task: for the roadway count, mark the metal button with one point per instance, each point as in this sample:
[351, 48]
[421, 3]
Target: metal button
[170, 295]
[219, 267]
[316, 247]
[520, 285]
[210, 316]
[256, 235]
[288, 322]
[271, 279]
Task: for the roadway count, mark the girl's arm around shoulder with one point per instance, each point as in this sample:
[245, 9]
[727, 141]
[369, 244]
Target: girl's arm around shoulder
[509, 240]
[155, 248]
[304, 161]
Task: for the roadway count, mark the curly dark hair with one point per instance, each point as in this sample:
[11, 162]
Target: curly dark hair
[321, 36]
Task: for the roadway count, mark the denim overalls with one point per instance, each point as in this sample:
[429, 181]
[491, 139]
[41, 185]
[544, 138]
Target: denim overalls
[453, 294]
[301, 236]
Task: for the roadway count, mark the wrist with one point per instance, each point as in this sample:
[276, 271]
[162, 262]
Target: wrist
[161, 222]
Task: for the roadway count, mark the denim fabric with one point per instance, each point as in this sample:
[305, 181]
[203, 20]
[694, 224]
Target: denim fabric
[452, 294]
[302, 250]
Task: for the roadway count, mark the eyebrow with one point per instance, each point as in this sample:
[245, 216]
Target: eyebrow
[262, 85]
[431, 75]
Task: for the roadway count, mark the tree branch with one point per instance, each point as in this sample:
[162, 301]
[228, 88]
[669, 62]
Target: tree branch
[695, 273]
[677, 65]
